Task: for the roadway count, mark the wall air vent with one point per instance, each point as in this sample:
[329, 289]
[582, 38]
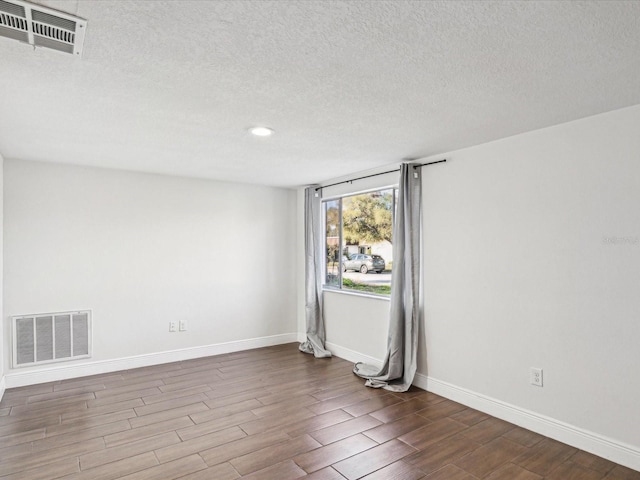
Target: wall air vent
[51, 337]
[41, 26]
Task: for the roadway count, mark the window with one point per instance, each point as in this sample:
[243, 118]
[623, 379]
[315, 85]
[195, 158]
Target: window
[358, 240]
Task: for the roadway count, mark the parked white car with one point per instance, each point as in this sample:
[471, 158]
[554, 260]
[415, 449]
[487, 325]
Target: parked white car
[363, 263]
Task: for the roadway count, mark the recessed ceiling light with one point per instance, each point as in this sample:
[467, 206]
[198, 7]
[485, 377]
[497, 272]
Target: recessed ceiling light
[261, 131]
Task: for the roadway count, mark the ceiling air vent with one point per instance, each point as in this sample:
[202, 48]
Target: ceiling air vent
[41, 26]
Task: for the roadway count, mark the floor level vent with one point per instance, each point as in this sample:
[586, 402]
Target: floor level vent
[41, 26]
[51, 337]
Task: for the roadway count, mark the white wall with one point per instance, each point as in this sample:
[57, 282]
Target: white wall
[140, 250]
[2, 322]
[356, 324]
[532, 259]
[521, 270]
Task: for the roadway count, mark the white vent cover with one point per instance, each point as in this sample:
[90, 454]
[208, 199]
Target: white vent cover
[41, 26]
[51, 337]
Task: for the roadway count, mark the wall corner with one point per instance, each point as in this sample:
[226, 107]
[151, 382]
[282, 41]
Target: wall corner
[300, 265]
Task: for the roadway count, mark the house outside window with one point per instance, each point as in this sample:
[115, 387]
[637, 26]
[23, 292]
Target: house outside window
[358, 241]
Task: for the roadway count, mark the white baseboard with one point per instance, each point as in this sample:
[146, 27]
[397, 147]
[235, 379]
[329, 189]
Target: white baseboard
[17, 378]
[618, 452]
[2, 387]
[352, 355]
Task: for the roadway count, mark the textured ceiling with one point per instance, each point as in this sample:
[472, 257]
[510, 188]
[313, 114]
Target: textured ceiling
[171, 86]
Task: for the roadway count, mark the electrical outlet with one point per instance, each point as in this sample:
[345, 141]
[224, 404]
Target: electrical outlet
[173, 326]
[183, 325]
[536, 376]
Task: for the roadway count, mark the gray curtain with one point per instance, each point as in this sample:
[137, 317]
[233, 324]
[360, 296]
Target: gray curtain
[314, 249]
[399, 366]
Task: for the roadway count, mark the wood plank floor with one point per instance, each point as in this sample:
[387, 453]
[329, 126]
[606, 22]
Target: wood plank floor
[271, 413]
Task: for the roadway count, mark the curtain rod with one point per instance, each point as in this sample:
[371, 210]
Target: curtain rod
[417, 165]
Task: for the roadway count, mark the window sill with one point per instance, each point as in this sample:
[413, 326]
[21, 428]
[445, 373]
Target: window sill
[354, 293]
